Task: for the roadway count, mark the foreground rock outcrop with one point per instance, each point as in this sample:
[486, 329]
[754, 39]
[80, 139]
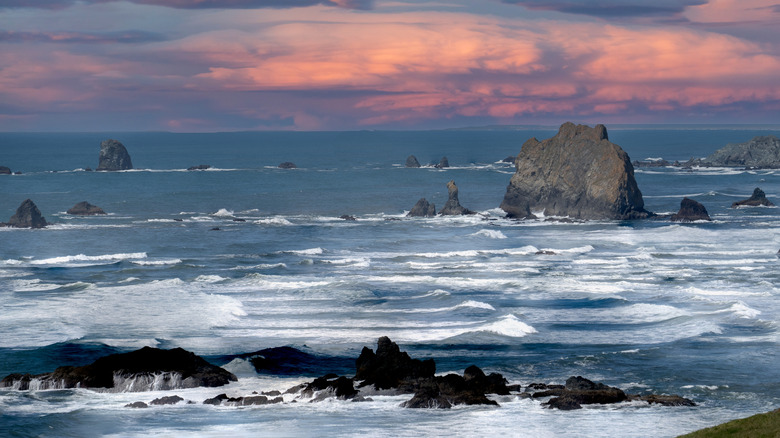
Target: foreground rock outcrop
[760, 152]
[691, 211]
[577, 173]
[27, 216]
[757, 199]
[146, 369]
[422, 208]
[84, 208]
[453, 207]
[113, 156]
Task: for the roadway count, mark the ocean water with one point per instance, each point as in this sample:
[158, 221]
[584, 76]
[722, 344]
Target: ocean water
[648, 306]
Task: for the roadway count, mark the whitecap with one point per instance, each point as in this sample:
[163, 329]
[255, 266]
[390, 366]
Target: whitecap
[222, 212]
[474, 305]
[86, 258]
[508, 325]
[272, 221]
[162, 262]
[491, 234]
[305, 252]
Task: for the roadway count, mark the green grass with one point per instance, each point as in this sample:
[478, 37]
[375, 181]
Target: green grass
[758, 426]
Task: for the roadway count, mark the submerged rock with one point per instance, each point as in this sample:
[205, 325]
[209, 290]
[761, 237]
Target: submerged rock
[757, 199]
[453, 207]
[113, 156]
[27, 216]
[411, 161]
[141, 370]
[761, 152]
[577, 173]
[84, 208]
[200, 167]
[691, 211]
[422, 209]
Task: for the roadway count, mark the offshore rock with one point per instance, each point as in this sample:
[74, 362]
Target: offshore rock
[4, 170]
[443, 163]
[389, 366]
[84, 208]
[113, 156]
[580, 391]
[577, 173]
[453, 207]
[288, 165]
[761, 151]
[141, 370]
[422, 209]
[27, 216]
[200, 167]
[757, 199]
[411, 161]
[690, 211]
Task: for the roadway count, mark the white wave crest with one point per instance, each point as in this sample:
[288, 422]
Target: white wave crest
[306, 252]
[272, 221]
[222, 212]
[474, 305]
[508, 325]
[156, 262]
[491, 234]
[86, 258]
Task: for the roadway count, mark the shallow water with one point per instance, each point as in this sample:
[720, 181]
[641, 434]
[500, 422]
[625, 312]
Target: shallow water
[648, 306]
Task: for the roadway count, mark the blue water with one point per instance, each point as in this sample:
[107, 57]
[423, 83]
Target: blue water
[648, 306]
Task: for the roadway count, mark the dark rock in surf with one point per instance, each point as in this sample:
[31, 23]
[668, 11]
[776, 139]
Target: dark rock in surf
[339, 386]
[453, 207]
[691, 211]
[27, 216]
[4, 170]
[224, 400]
[84, 208]
[664, 400]
[577, 173]
[443, 163]
[113, 156]
[141, 370]
[580, 391]
[422, 209]
[389, 366]
[347, 217]
[760, 152]
[446, 391]
[168, 400]
[287, 165]
[411, 161]
[200, 167]
[757, 199]
[137, 405]
[510, 159]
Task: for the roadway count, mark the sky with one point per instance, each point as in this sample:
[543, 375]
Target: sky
[229, 65]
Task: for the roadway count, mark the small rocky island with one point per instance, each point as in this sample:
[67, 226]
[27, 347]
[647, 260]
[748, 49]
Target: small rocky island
[26, 216]
[757, 199]
[113, 156]
[577, 173]
[84, 208]
[760, 152]
[691, 211]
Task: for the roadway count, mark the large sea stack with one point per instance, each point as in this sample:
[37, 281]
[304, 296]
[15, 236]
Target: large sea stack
[761, 151]
[577, 173]
[114, 156]
[27, 216]
[453, 207]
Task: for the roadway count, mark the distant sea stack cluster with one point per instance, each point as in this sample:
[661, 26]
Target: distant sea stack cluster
[762, 152]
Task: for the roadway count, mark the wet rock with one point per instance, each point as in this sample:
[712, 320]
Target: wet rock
[347, 217]
[137, 405]
[422, 209]
[690, 211]
[580, 391]
[577, 173]
[4, 170]
[443, 163]
[340, 386]
[217, 400]
[758, 198]
[168, 400]
[84, 208]
[141, 370]
[453, 207]
[200, 167]
[666, 400]
[27, 216]
[411, 161]
[389, 366]
[113, 156]
[509, 159]
[287, 165]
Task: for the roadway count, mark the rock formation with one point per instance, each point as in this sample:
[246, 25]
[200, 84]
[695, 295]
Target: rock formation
[27, 216]
[453, 207]
[757, 199]
[6, 171]
[761, 151]
[577, 173]
[422, 209]
[389, 366]
[141, 370]
[288, 165]
[114, 156]
[200, 167]
[84, 208]
[411, 161]
[690, 211]
[444, 162]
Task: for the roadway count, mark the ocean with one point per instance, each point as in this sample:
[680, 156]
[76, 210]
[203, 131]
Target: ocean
[649, 306]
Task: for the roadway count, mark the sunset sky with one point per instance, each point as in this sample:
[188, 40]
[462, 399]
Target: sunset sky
[211, 65]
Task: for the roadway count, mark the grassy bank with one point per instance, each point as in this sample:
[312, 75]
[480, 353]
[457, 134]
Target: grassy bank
[761, 425]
